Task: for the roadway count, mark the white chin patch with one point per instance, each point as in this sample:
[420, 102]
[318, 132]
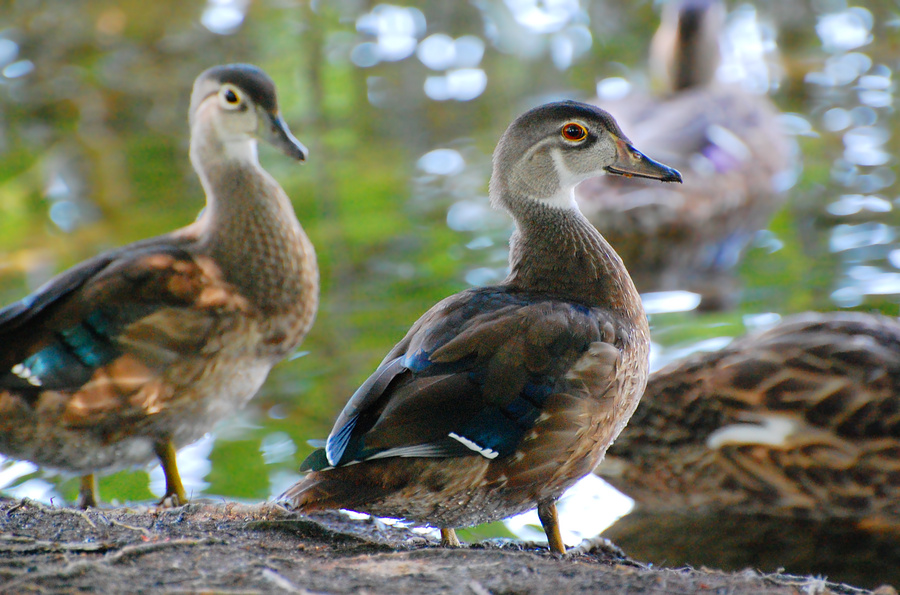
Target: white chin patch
[564, 199]
[565, 196]
[242, 149]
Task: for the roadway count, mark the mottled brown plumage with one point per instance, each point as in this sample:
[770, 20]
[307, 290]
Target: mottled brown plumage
[782, 450]
[800, 421]
[727, 141]
[141, 350]
[499, 398]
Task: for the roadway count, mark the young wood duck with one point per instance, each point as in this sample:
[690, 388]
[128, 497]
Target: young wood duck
[802, 420]
[726, 139]
[499, 398]
[140, 350]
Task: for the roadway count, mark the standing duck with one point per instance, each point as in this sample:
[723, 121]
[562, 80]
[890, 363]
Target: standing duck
[140, 350]
[798, 424]
[499, 398]
[727, 140]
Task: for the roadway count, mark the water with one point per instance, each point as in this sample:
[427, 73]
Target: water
[401, 107]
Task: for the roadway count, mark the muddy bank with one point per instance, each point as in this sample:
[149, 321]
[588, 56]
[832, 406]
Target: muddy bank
[237, 548]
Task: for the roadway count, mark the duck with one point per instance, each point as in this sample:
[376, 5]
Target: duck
[734, 454]
[138, 351]
[802, 419]
[729, 142]
[499, 398]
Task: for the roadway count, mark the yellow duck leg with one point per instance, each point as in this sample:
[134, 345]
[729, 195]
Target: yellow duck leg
[449, 538]
[550, 521]
[87, 493]
[175, 494]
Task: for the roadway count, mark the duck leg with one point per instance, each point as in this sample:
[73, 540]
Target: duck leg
[449, 538]
[175, 494]
[550, 521]
[87, 493]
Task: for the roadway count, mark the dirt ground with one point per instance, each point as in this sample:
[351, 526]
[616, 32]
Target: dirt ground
[238, 548]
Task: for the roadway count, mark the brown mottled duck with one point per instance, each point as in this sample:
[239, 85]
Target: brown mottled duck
[780, 450]
[139, 351]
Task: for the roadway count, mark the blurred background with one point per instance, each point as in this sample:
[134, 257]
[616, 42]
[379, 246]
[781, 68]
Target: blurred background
[400, 106]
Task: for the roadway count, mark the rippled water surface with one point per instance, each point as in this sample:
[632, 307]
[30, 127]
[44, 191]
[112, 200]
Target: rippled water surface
[400, 107]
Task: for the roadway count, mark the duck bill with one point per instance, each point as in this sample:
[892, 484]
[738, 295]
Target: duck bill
[279, 136]
[632, 163]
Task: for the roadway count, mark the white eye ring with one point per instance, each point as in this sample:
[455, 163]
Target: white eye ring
[230, 98]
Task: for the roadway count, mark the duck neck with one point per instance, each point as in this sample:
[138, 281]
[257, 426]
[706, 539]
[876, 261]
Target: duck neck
[557, 251]
[250, 229]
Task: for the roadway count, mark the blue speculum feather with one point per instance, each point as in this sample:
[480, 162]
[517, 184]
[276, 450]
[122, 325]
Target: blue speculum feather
[418, 361]
[337, 444]
[78, 351]
[501, 429]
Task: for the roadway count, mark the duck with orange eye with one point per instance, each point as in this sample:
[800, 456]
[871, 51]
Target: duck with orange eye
[500, 398]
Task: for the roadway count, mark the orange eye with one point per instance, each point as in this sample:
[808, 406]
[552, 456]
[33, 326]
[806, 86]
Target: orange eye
[574, 132]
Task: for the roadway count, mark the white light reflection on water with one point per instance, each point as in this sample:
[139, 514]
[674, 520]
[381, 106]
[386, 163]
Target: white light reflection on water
[863, 145]
[437, 52]
[760, 321]
[442, 52]
[659, 302]
[660, 357]
[851, 204]
[35, 489]
[11, 470]
[442, 162]
[545, 16]
[748, 49]
[471, 215]
[396, 30]
[849, 237]
[569, 45]
[277, 447]
[224, 17]
[849, 76]
[463, 84]
[9, 50]
[845, 30]
[18, 69]
[613, 88]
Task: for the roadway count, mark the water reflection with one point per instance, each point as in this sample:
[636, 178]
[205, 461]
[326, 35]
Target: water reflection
[396, 30]
[845, 30]
[401, 106]
[224, 17]
[749, 52]
[461, 84]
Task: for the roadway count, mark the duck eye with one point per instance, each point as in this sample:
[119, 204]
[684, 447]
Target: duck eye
[574, 132]
[230, 97]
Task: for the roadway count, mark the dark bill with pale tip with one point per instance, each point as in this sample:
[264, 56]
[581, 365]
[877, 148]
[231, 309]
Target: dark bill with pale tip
[279, 136]
[632, 163]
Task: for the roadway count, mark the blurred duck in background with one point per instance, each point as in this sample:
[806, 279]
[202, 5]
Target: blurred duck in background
[729, 145]
[780, 450]
[139, 351]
